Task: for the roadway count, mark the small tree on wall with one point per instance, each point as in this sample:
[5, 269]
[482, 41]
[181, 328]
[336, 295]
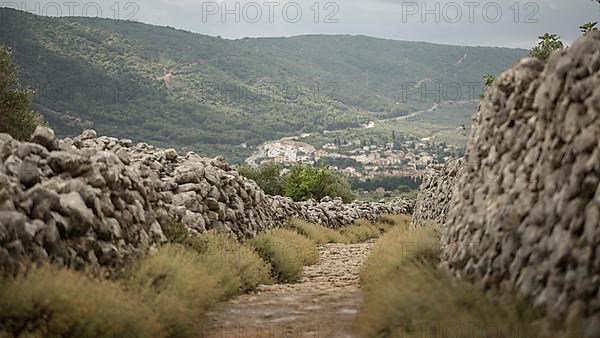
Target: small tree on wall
[588, 27]
[548, 44]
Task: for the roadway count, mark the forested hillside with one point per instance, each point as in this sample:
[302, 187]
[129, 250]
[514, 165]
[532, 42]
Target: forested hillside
[197, 92]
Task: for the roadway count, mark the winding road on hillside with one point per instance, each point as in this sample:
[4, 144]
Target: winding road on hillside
[324, 303]
[411, 115]
[256, 155]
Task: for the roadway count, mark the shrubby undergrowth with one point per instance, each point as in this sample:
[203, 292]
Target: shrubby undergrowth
[167, 292]
[406, 295]
[238, 266]
[318, 233]
[361, 231]
[49, 301]
[178, 286]
[287, 252]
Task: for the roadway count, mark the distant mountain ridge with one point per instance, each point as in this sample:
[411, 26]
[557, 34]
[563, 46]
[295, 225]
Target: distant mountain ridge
[197, 92]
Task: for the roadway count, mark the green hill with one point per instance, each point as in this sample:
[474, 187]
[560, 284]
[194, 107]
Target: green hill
[197, 92]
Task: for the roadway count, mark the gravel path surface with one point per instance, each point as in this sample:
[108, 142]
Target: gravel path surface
[324, 303]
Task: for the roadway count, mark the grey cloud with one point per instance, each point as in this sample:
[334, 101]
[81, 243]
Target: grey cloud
[394, 19]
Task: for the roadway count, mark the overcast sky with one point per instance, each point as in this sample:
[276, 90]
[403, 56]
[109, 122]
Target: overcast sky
[508, 23]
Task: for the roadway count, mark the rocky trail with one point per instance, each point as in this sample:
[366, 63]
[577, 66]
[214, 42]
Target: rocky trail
[324, 303]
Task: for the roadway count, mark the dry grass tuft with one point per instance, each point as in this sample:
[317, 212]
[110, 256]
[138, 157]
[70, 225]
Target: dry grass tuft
[238, 266]
[397, 247]
[318, 233]
[407, 296]
[387, 222]
[287, 252]
[48, 301]
[362, 230]
[178, 286]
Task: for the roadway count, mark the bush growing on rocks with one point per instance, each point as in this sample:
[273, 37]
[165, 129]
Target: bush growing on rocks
[548, 44]
[588, 27]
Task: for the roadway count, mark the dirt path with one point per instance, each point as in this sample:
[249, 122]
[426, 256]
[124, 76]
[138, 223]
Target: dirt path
[323, 304]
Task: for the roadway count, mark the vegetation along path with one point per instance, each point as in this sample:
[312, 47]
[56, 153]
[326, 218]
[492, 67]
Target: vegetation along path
[323, 303]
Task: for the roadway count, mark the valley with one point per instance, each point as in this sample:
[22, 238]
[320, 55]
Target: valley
[401, 146]
[156, 182]
[215, 96]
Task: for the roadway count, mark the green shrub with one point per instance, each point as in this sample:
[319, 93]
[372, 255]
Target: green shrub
[178, 286]
[588, 27]
[489, 80]
[48, 301]
[301, 183]
[287, 252]
[267, 176]
[176, 232]
[304, 182]
[16, 116]
[548, 44]
[407, 296]
[318, 233]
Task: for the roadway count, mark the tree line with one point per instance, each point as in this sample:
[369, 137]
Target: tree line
[301, 183]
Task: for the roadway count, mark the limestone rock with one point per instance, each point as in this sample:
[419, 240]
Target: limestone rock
[435, 194]
[97, 200]
[524, 212]
[73, 205]
[88, 134]
[171, 154]
[45, 136]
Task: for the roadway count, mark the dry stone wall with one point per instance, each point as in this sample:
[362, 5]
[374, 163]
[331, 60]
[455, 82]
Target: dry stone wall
[96, 200]
[526, 211]
[435, 194]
